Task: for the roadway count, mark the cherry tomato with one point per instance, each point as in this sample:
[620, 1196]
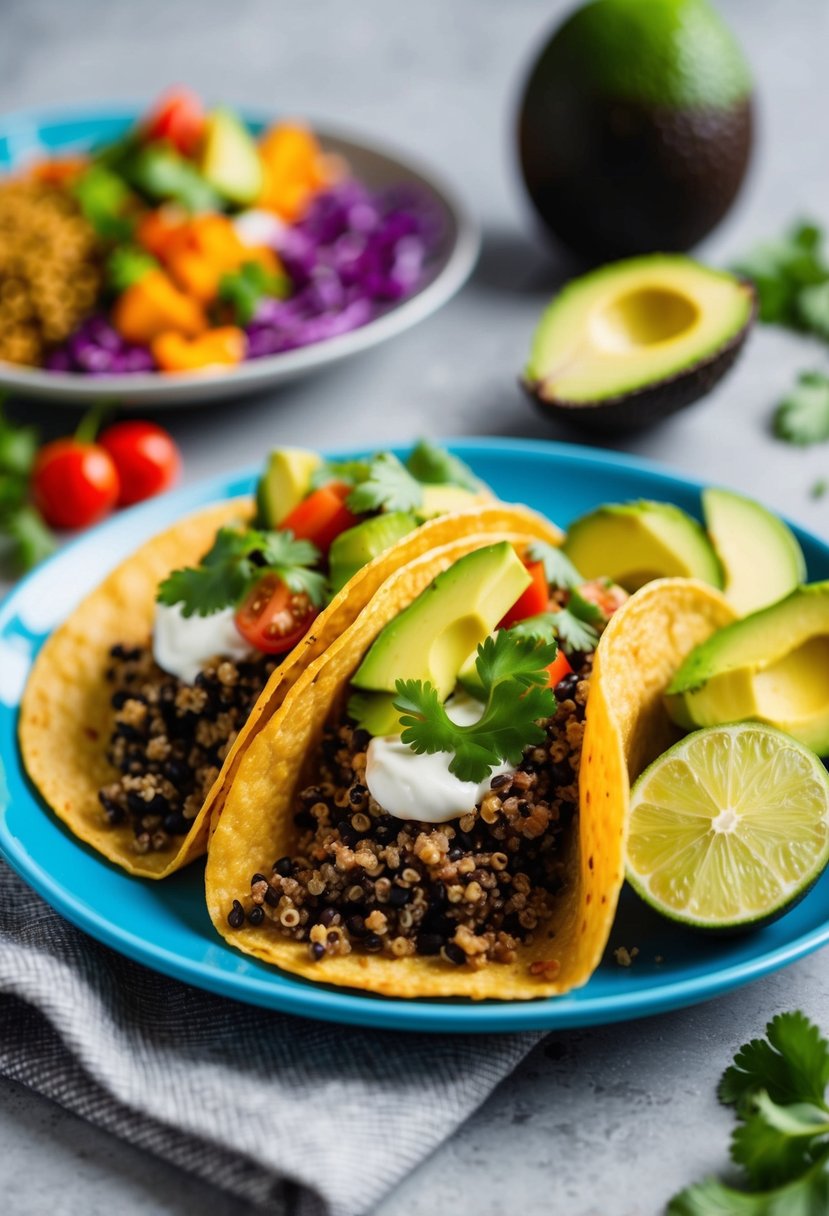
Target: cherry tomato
[272, 617]
[322, 516]
[145, 456]
[530, 602]
[178, 117]
[607, 596]
[74, 483]
[559, 668]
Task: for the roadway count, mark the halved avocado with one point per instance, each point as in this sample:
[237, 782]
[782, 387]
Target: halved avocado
[761, 558]
[772, 666]
[629, 343]
[635, 542]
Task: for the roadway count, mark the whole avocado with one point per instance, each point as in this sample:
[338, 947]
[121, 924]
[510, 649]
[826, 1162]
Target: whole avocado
[635, 126]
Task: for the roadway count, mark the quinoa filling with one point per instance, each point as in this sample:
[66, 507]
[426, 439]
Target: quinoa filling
[469, 891]
[169, 739]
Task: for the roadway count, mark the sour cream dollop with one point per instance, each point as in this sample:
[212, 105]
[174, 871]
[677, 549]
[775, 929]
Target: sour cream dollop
[409, 786]
[183, 644]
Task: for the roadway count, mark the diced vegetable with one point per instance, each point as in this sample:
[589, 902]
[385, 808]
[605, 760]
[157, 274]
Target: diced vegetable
[215, 348]
[155, 306]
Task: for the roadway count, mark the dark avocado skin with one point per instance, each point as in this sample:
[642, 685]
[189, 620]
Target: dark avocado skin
[647, 405]
[612, 177]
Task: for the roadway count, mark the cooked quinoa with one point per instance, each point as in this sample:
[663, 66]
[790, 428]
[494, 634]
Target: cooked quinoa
[169, 739]
[469, 891]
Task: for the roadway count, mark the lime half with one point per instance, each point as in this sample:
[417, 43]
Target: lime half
[729, 826]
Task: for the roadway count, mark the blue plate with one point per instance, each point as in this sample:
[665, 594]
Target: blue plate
[165, 925]
[35, 134]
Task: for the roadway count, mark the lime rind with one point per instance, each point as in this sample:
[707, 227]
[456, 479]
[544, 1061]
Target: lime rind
[729, 827]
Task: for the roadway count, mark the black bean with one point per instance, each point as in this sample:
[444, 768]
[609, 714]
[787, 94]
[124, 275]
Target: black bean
[561, 773]
[284, 867]
[326, 917]
[384, 831]
[175, 824]
[360, 739]
[126, 731]
[256, 915]
[428, 943]
[356, 926]
[348, 835]
[136, 803]
[272, 897]
[317, 950]
[499, 781]
[258, 878]
[455, 854]
[454, 953]
[357, 793]
[399, 897]
[236, 915]
[565, 690]
[177, 772]
[373, 943]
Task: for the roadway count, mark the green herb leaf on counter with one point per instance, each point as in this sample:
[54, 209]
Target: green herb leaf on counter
[104, 199]
[235, 562]
[558, 569]
[242, 289]
[777, 1085]
[513, 675]
[781, 270]
[128, 265]
[803, 416]
[26, 538]
[433, 465]
[819, 488]
[388, 486]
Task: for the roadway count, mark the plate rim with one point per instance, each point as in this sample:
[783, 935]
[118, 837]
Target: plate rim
[73, 388]
[344, 1006]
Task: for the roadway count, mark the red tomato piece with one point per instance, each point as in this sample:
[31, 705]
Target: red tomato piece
[178, 117]
[530, 602]
[74, 484]
[322, 516]
[559, 668]
[272, 617]
[146, 457]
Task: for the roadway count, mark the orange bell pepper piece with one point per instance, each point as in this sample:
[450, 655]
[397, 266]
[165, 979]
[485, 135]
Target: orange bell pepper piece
[161, 230]
[215, 348]
[59, 170]
[295, 169]
[153, 306]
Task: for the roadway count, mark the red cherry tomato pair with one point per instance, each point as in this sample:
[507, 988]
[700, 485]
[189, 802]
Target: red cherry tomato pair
[76, 482]
[179, 118]
[534, 600]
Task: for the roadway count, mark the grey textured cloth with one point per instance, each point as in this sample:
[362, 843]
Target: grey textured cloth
[292, 1116]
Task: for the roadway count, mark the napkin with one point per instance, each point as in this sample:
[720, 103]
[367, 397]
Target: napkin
[290, 1115]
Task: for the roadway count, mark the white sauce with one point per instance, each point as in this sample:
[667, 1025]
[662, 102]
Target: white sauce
[183, 644]
[258, 227]
[409, 786]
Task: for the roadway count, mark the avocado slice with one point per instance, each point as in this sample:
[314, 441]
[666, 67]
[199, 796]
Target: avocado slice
[230, 159]
[284, 483]
[635, 126]
[634, 542]
[359, 545]
[432, 638]
[375, 712]
[629, 343]
[761, 559]
[441, 500]
[772, 666]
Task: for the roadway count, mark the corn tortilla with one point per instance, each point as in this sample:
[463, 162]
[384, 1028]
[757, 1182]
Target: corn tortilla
[66, 716]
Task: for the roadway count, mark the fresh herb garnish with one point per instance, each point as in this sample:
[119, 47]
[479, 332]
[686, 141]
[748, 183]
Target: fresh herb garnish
[803, 416]
[127, 265]
[238, 560]
[513, 675]
[242, 289]
[387, 486]
[559, 571]
[819, 488]
[26, 538]
[433, 465]
[778, 1088]
[105, 200]
[573, 626]
[784, 273]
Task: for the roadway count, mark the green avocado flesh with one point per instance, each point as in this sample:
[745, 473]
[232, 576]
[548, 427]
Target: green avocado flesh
[359, 545]
[634, 324]
[772, 666]
[230, 159]
[432, 638]
[633, 543]
[761, 559]
[284, 483]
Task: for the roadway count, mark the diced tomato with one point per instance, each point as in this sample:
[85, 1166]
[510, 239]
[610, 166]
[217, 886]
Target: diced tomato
[559, 668]
[530, 602]
[322, 516]
[272, 617]
[179, 117]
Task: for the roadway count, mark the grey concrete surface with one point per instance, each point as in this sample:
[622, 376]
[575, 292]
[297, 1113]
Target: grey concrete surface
[605, 1122]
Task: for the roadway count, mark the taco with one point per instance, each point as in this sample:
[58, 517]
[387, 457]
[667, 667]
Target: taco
[438, 807]
[138, 708]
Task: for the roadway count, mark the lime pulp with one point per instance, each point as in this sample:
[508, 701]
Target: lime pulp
[729, 826]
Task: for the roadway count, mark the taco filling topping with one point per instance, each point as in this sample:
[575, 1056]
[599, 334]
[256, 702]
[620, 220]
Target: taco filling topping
[389, 859]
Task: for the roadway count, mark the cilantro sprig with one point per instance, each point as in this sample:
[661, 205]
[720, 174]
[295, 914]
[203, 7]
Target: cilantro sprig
[803, 415]
[383, 483]
[559, 571]
[433, 465]
[573, 626]
[243, 289]
[387, 486]
[781, 1143]
[788, 274]
[235, 562]
[513, 676]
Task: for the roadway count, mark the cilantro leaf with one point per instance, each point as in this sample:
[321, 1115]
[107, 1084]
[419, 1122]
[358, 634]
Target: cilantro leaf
[813, 308]
[513, 675]
[242, 289]
[126, 265]
[777, 1143]
[433, 465]
[104, 199]
[353, 472]
[558, 569]
[791, 1064]
[803, 416]
[389, 486]
[781, 269]
[806, 1196]
[235, 562]
[572, 626]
